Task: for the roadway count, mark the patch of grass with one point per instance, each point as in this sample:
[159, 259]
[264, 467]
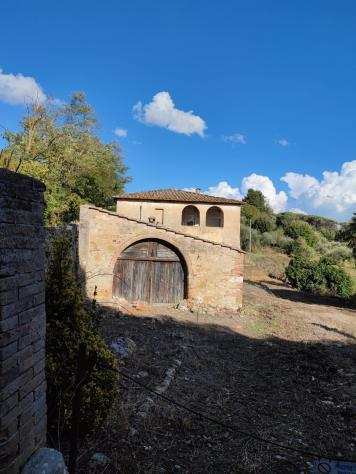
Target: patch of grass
[264, 264]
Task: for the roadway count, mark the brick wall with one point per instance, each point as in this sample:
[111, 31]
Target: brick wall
[22, 320]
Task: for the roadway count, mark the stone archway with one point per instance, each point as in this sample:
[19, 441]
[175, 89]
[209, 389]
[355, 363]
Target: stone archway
[150, 270]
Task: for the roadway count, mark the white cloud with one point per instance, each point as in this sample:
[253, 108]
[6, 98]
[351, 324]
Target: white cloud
[283, 142]
[235, 138]
[223, 189]
[18, 89]
[300, 184]
[334, 194]
[162, 112]
[120, 132]
[277, 200]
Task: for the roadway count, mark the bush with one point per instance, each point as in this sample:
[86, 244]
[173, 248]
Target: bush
[336, 280]
[301, 274]
[320, 223]
[70, 326]
[329, 234]
[264, 223]
[277, 239]
[318, 277]
[284, 219]
[335, 251]
[249, 212]
[299, 228]
[245, 238]
[299, 248]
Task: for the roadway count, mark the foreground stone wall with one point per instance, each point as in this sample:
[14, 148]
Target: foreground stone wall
[22, 320]
[215, 271]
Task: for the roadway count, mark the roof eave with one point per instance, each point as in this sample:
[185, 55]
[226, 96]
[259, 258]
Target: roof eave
[129, 198]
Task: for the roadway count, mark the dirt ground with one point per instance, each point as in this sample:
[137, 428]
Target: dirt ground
[282, 369]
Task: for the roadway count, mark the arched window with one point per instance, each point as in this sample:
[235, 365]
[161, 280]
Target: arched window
[190, 216]
[214, 217]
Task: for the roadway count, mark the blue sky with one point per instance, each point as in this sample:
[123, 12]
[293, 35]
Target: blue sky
[271, 87]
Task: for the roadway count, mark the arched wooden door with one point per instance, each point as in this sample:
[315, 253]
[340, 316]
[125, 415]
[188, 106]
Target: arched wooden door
[150, 271]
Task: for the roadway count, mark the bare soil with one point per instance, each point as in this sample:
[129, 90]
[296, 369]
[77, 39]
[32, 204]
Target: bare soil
[283, 369]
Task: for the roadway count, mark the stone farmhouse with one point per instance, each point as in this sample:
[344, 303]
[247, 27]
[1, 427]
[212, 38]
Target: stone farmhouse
[164, 246]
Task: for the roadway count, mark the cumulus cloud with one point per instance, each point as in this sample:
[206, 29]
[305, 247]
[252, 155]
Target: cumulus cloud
[283, 142]
[277, 200]
[334, 194]
[223, 189]
[235, 138]
[161, 111]
[120, 132]
[18, 89]
[300, 184]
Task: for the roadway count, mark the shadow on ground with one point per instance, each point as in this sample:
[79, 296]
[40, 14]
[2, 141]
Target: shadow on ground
[293, 393]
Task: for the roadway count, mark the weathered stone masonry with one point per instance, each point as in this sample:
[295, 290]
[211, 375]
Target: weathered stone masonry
[22, 320]
[215, 270]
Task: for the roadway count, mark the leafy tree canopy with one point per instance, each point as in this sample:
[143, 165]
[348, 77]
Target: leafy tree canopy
[58, 144]
[349, 234]
[257, 199]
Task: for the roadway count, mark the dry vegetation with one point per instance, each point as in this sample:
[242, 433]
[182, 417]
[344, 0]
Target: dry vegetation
[281, 369]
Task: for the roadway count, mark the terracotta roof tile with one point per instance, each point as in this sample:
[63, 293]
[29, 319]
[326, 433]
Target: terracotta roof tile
[175, 195]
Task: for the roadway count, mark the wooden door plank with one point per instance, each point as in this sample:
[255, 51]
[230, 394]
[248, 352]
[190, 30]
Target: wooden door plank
[149, 271]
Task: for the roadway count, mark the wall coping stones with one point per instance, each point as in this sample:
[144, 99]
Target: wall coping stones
[11, 178]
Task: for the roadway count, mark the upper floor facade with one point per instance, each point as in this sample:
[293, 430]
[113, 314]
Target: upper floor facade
[193, 213]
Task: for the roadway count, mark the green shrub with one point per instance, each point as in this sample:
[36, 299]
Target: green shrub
[329, 234]
[268, 239]
[264, 223]
[71, 325]
[336, 251]
[245, 237]
[300, 248]
[336, 280]
[277, 239]
[321, 276]
[299, 228]
[320, 223]
[249, 212]
[284, 219]
[302, 274]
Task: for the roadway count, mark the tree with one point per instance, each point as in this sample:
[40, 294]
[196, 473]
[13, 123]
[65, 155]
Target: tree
[257, 199]
[349, 234]
[58, 145]
[299, 228]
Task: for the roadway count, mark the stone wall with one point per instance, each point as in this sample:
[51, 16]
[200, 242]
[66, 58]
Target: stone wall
[22, 320]
[215, 270]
